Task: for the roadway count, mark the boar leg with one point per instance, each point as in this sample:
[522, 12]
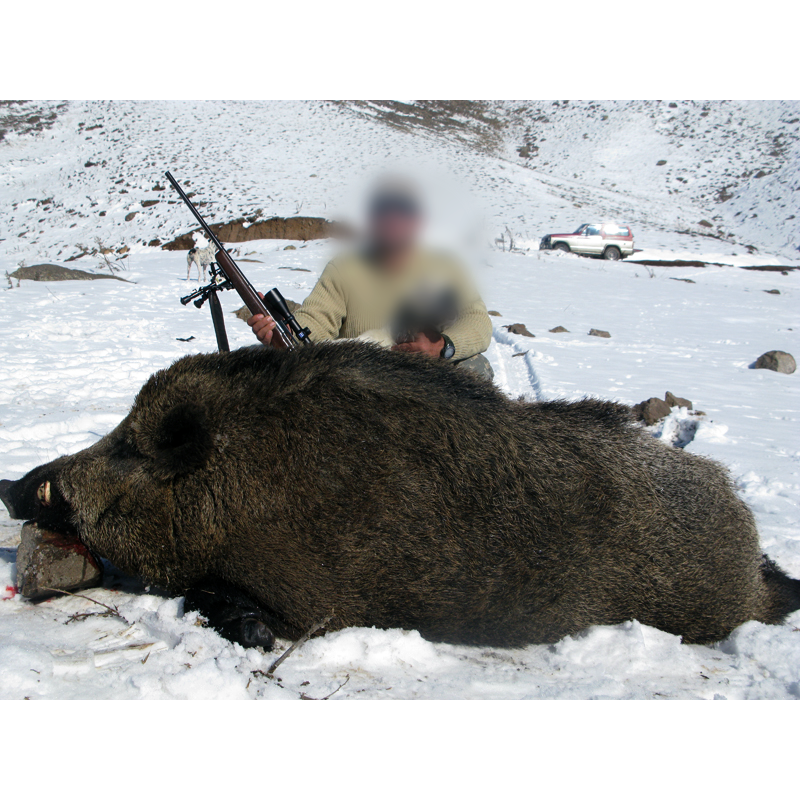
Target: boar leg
[231, 613]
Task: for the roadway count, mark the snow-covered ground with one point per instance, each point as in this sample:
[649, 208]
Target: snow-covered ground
[75, 353]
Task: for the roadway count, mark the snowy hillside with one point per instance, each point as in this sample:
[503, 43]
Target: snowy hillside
[75, 353]
[95, 171]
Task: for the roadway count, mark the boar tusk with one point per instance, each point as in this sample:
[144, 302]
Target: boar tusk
[43, 493]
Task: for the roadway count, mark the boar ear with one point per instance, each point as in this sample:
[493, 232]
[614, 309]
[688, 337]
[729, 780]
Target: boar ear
[182, 440]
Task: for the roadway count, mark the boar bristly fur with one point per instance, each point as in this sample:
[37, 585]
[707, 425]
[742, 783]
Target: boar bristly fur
[399, 491]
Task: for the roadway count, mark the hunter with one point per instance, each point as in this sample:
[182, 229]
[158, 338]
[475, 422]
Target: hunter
[358, 291]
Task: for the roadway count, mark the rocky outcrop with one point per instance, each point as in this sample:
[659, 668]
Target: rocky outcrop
[53, 272]
[247, 230]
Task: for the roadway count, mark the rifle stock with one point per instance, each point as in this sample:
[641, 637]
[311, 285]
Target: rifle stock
[245, 290]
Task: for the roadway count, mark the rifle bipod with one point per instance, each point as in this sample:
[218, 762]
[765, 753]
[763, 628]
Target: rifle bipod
[209, 292]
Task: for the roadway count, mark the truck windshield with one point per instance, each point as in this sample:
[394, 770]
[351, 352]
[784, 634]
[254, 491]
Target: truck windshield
[581, 227]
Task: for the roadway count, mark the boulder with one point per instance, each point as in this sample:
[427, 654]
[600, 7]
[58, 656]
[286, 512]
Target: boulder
[651, 411]
[48, 562]
[777, 361]
[558, 329]
[601, 334]
[519, 329]
[681, 402]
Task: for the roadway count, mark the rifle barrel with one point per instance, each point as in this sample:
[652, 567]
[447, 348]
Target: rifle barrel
[281, 337]
[203, 224]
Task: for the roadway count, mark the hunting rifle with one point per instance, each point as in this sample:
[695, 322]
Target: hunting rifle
[226, 275]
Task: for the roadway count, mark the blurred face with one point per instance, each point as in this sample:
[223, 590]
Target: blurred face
[394, 224]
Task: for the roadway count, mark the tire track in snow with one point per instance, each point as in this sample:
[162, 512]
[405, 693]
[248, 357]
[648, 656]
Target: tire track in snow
[514, 368]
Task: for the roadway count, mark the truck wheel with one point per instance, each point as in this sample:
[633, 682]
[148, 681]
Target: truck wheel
[612, 254]
[562, 246]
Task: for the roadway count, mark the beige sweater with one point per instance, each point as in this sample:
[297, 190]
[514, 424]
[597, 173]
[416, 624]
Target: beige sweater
[353, 296]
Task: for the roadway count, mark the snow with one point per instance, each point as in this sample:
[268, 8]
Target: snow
[75, 353]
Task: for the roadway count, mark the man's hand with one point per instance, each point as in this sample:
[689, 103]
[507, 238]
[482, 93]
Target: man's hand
[422, 344]
[262, 326]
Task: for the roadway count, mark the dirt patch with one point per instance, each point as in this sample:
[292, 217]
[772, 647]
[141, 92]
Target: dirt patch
[648, 262]
[771, 268]
[677, 263]
[53, 272]
[244, 230]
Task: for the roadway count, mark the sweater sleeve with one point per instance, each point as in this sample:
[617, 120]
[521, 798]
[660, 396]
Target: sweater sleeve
[324, 310]
[471, 333]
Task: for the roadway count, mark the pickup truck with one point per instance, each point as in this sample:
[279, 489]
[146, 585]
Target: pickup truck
[607, 240]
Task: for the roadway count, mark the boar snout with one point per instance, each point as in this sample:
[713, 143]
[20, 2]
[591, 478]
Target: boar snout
[36, 497]
[5, 496]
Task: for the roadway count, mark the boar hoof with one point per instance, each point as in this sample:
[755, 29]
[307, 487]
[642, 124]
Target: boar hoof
[255, 633]
[231, 613]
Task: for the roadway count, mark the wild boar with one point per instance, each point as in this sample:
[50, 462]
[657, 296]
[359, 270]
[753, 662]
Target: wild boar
[392, 490]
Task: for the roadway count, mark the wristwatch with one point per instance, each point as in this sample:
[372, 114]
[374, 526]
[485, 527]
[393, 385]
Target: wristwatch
[449, 349]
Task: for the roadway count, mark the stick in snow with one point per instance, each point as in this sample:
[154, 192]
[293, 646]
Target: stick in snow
[114, 611]
[299, 643]
[304, 696]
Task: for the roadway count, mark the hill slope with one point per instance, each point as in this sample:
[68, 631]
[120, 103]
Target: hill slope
[76, 173]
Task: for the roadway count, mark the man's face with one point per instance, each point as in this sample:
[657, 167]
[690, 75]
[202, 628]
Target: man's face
[394, 224]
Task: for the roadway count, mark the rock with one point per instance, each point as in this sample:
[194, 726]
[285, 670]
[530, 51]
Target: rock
[777, 361]
[495, 314]
[651, 411]
[772, 291]
[519, 329]
[148, 203]
[673, 105]
[760, 174]
[705, 223]
[681, 402]
[129, 217]
[154, 243]
[602, 334]
[558, 329]
[54, 272]
[48, 561]
[661, 163]
[290, 247]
